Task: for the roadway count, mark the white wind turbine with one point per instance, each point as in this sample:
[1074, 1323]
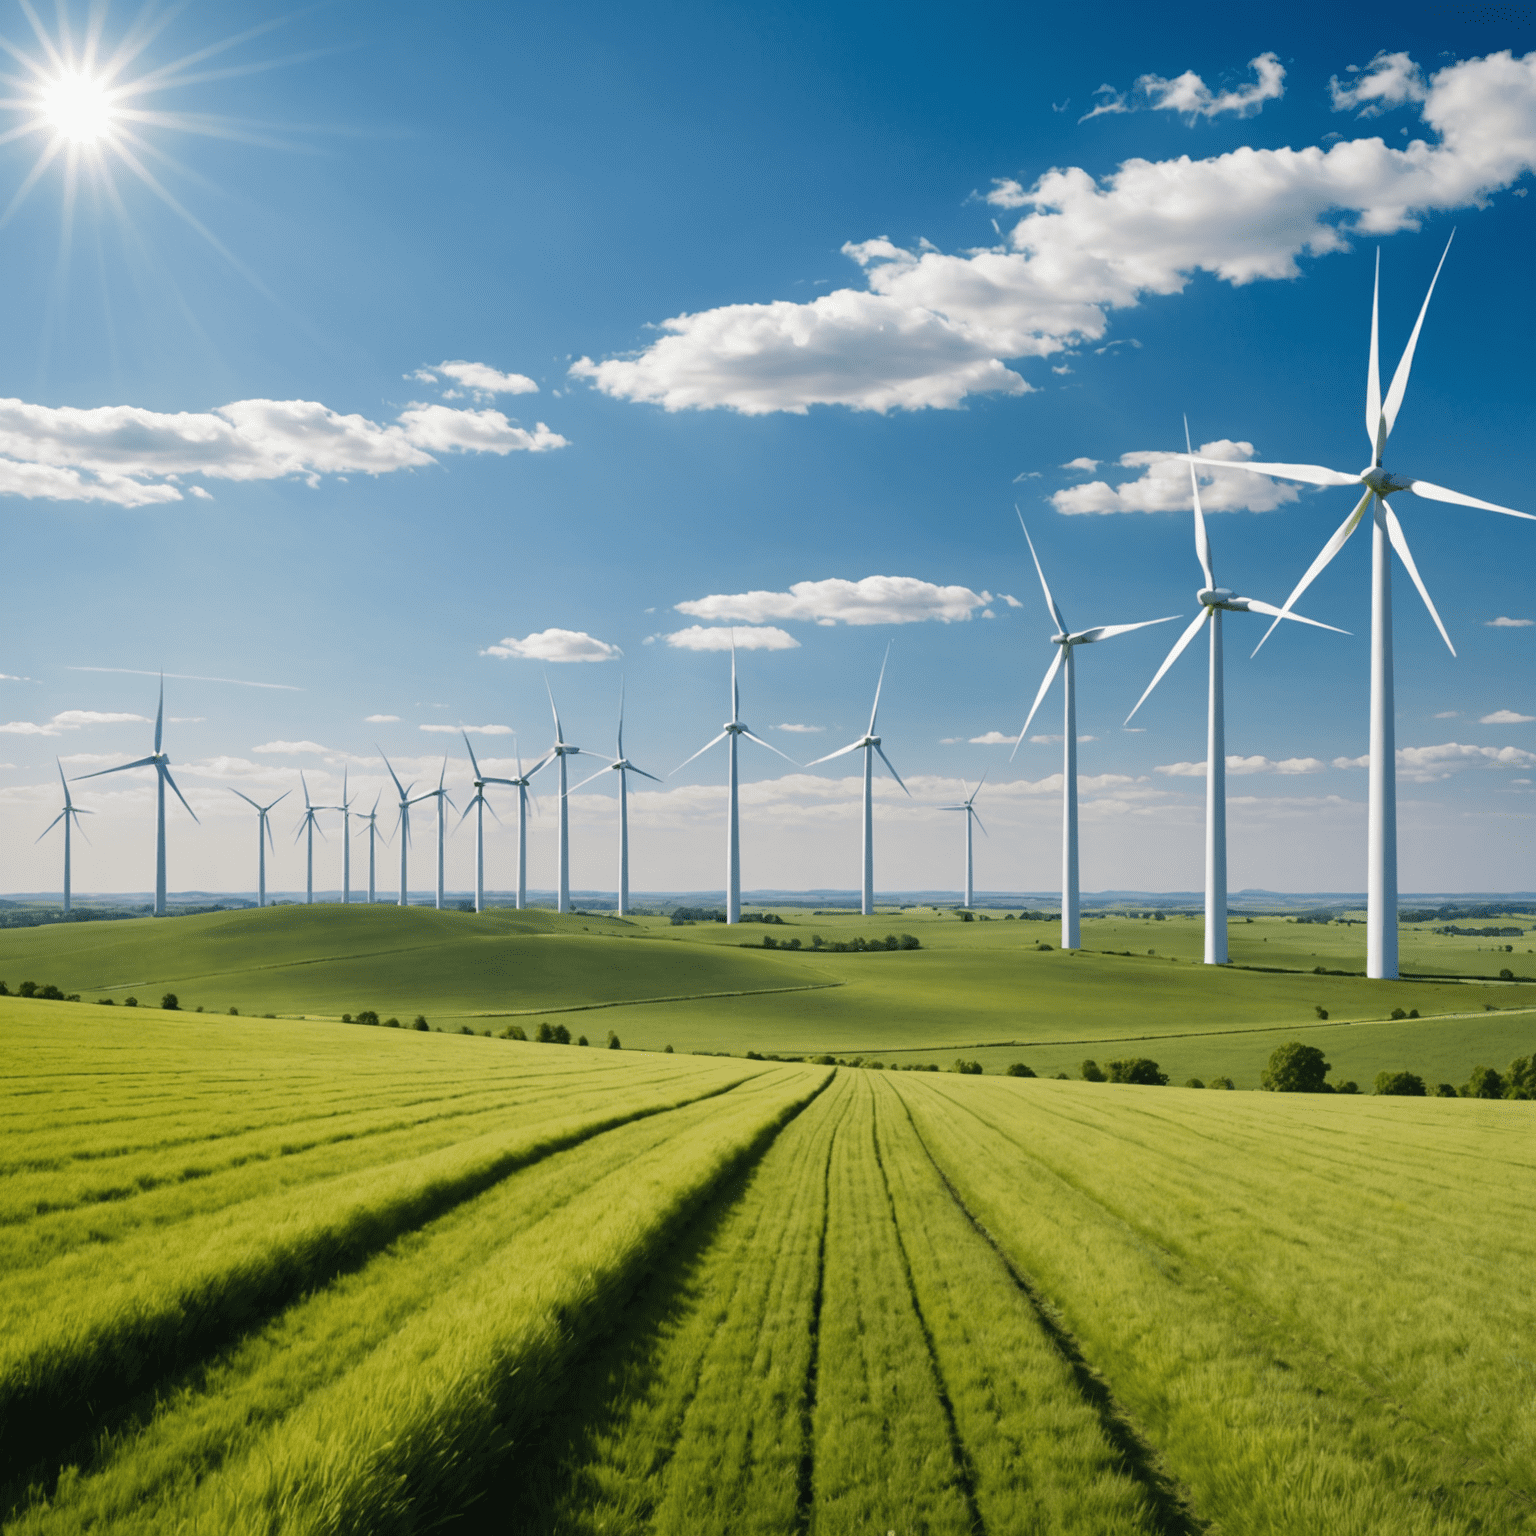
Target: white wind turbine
[1068, 643]
[406, 802]
[346, 838]
[560, 750]
[869, 744]
[161, 763]
[263, 837]
[624, 768]
[442, 797]
[968, 805]
[1387, 535]
[734, 727]
[372, 818]
[307, 828]
[1214, 601]
[70, 814]
[520, 784]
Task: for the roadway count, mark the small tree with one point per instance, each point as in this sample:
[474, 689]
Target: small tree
[1018, 1069]
[1193, 1082]
[1402, 1084]
[419, 1022]
[613, 1042]
[1092, 1072]
[1485, 1083]
[544, 1034]
[1296, 1068]
[169, 1002]
[133, 1002]
[667, 1051]
[1445, 1091]
[1319, 1010]
[1520, 1080]
[1223, 1082]
[368, 1016]
[967, 1068]
[1137, 1069]
[582, 1040]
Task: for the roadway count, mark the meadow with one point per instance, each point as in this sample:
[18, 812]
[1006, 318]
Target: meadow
[289, 1276]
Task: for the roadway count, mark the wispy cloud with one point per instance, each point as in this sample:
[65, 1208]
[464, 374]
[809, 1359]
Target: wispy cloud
[1389, 80]
[1239, 766]
[800, 730]
[1506, 717]
[1163, 485]
[1502, 623]
[749, 638]
[1190, 96]
[555, 645]
[874, 600]
[189, 677]
[381, 719]
[70, 720]
[1425, 765]
[472, 730]
[480, 379]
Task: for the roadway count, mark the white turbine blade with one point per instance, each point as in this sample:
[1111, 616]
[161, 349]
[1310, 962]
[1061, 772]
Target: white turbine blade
[841, 752]
[1400, 544]
[160, 713]
[951, 807]
[1172, 656]
[78, 828]
[140, 762]
[1109, 631]
[1328, 551]
[643, 774]
[700, 753]
[247, 799]
[1253, 605]
[979, 782]
[305, 787]
[884, 759]
[1455, 498]
[1374, 435]
[1312, 474]
[1050, 677]
[973, 812]
[555, 712]
[472, 763]
[166, 773]
[1202, 541]
[878, 686]
[1400, 378]
[478, 800]
[1050, 602]
[759, 740]
[395, 776]
[51, 825]
[543, 762]
[621, 719]
[600, 772]
[276, 802]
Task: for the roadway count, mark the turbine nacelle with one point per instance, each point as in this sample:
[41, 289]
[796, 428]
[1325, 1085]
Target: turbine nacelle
[1216, 597]
[1382, 482]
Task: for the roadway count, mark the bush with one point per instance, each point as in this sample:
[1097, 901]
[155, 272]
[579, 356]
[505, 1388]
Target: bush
[582, 1040]
[51, 993]
[1413, 1013]
[346, 1018]
[613, 1042]
[1296, 1068]
[111, 1002]
[5, 991]
[419, 1022]
[1222, 1082]
[1193, 1082]
[464, 1029]
[27, 989]
[823, 1061]
[1320, 1011]
[368, 1016]
[667, 1050]
[1044, 946]
[514, 1032]
[1137, 1069]
[967, 1068]
[1018, 1069]
[1506, 974]
[1061, 1077]
[1402, 1084]
[1444, 1091]
[1485, 1083]
[133, 1002]
[1092, 1072]
[388, 1023]
[170, 1003]
[1520, 1080]
[1348, 1087]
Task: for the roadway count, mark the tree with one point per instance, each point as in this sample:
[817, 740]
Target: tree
[1092, 1072]
[1484, 1083]
[419, 1022]
[1193, 1082]
[613, 1041]
[1296, 1068]
[368, 1016]
[967, 1068]
[169, 1002]
[1018, 1069]
[1137, 1069]
[1520, 1080]
[1403, 1084]
[1223, 1082]
[1445, 1091]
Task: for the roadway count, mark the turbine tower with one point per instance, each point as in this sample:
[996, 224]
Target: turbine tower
[263, 837]
[1214, 601]
[520, 784]
[309, 825]
[560, 750]
[869, 744]
[372, 818]
[1387, 535]
[346, 838]
[442, 797]
[70, 813]
[1064, 660]
[623, 767]
[968, 805]
[733, 728]
[161, 763]
[406, 802]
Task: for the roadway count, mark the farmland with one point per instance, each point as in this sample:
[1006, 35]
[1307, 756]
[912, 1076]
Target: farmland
[293, 1276]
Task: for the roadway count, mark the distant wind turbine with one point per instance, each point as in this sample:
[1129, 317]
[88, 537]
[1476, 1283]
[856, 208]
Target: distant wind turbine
[372, 818]
[70, 814]
[161, 763]
[623, 767]
[346, 839]
[1387, 535]
[406, 802]
[443, 798]
[869, 744]
[733, 728]
[520, 784]
[1068, 643]
[561, 750]
[1214, 601]
[307, 828]
[968, 805]
[263, 837]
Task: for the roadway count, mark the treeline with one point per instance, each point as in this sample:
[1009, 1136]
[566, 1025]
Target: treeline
[1462, 914]
[1298, 1068]
[684, 915]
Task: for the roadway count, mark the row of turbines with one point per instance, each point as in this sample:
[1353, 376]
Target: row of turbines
[1214, 603]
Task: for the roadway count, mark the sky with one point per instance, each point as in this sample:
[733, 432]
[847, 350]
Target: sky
[370, 368]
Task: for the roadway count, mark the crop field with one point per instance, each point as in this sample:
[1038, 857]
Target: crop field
[287, 1276]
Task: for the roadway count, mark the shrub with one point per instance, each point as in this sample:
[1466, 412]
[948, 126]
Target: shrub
[1137, 1069]
[1485, 1083]
[613, 1042]
[1296, 1068]
[1222, 1082]
[667, 1050]
[1044, 946]
[1413, 1013]
[514, 1032]
[1444, 1091]
[967, 1068]
[1320, 1011]
[74, 997]
[133, 1002]
[388, 1023]
[1193, 1082]
[169, 1002]
[1092, 1072]
[1399, 1013]
[545, 1035]
[5, 991]
[1061, 1077]
[1506, 974]
[823, 1061]
[368, 1016]
[1348, 1087]
[582, 1040]
[1018, 1069]
[1520, 1080]
[27, 989]
[111, 1002]
[419, 1022]
[1403, 1084]
[464, 1029]
[346, 1018]
[51, 993]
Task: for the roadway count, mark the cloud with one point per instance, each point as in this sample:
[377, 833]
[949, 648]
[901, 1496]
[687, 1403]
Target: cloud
[1163, 485]
[473, 730]
[1010, 599]
[1426, 765]
[1190, 95]
[1050, 740]
[133, 457]
[480, 378]
[874, 600]
[556, 645]
[1502, 623]
[1239, 766]
[929, 328]
[799, 730]
[381, 719]
[1087, 466]
[1389, 80]
[697, 638]
[70, 720]
[1506, 717]
[293, 748]
[989, 739]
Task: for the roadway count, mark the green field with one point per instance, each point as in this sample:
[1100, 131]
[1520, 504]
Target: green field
[987, 989]
[288, 1276]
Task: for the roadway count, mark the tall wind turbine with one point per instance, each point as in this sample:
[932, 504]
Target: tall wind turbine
[70, 813]
[372, 818]
[1068, 642]
[263, 837]
[561, 750]
[406, 802]
[346, 838]
[734, 728]
[869, 744]
[308, 825]
[1214, 601]
[442, 797]
[623, 767]
[1387, 535]
[968, 805]
[520, 784]
[161, 763]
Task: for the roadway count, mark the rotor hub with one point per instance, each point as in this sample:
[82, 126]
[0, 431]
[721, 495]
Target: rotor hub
[1214, 597]
[1380, 481]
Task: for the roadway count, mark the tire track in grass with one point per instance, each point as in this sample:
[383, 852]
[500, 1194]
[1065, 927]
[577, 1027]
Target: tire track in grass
[805, 1473]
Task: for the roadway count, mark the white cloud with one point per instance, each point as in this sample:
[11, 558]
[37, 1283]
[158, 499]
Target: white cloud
[1425, 765]
[381, 719]
[1050, 740]
[1163, 485]
[556, 645]
[481, 378]
[1240, 766]
[990, 739]
[1389, 80]
[800, 730]
[444, 429]
[698, 638]
[69, 720]
[1448, 714]
[1190, 95]
[1010, 599]
[1087, 466]
[930, 328]
[1506, 717]
[874, 600]
[473, 730]
[1502, 623]
[292, 748]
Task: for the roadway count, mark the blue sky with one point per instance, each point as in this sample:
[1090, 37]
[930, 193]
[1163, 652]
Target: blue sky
[915, 266]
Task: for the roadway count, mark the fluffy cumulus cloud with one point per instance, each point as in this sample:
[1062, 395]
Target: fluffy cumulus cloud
[131, 457]
[874, 600]
[1506, 717]
[1389, 80]
[1238, 766]
[1189, 95]
[1425, 765]
[381, 719]
[555, 645]
[1163, 485]
[929, 328]
[698, 637]
[1505, 623]
[479, 379]
[69, 720]
[991, 739]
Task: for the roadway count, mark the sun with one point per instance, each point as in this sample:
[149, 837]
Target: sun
[77, 107]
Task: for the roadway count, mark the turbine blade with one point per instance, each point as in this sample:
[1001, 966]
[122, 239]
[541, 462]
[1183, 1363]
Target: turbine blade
[1373, 432]
[643, 774]
[1455, 498]
[700, 753]
[1202, 541]
[1109, 631]
[472, 763]
[1172, 656]
[1270, 611]
[1050, 677]
[1400, 544]
[276, 802]
[478, 800]
[759, 740]
[1400, 378]
[51, 825]
[1050, 602]
[841, 752]
[984, 831]
[884, 759]
[395, 776]
[160, 713]
[139, 762]
[600, 772]
[1329, 550]
[1313, 474]
[246, 798]
[166, 773]
[555, 712]
[878, 686]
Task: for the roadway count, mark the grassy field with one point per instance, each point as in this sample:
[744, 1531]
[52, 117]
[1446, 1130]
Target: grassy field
[291, 1276]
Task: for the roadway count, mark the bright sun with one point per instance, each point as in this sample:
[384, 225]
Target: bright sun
[78, 108]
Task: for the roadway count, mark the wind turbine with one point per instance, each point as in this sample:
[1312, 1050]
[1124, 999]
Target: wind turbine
[1387, 535]
[733, 728]
[442, 797]
[372, 818]
[263, 836]
[623, 767]
[1214, 601]
[70, 813]
[308, 824]
[869, 744]
[561, 750]
[1068, 643]
[968, 805]
[405, 829]
[161, 763]
[520, 784]
[346, 838]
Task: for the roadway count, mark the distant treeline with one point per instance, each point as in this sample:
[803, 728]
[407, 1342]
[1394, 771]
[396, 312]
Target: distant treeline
[681, 915]
[38, 917]
[1483, 933]
[1454, 914]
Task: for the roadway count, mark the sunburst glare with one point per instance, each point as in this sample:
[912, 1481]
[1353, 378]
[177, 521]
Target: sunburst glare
[78, 107]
